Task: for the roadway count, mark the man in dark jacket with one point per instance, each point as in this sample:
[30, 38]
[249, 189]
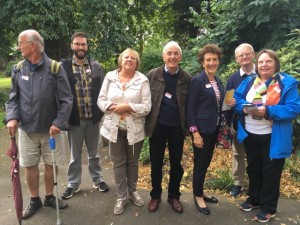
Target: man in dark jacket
[166, 124]
[85, 77]
[40, 103]
[244, 55]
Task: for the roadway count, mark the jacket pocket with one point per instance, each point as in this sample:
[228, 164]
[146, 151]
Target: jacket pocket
[183, 96]
[107, 121]
[139, 125]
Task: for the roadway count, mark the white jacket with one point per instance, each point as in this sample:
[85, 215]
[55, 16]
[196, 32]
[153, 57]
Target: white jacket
[138, 97]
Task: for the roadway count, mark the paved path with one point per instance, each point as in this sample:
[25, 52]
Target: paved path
[89, 207]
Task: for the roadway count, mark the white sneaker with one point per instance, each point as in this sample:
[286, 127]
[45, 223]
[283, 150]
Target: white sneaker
[136, 198]
[119, 207]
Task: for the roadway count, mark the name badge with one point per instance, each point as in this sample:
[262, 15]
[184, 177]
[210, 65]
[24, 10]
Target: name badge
[25, 77]
[208, 85]
[168, 95]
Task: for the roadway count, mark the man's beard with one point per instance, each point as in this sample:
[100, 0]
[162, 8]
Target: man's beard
[80, 56]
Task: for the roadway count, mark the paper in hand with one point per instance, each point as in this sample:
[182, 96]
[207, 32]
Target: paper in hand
[228, 95]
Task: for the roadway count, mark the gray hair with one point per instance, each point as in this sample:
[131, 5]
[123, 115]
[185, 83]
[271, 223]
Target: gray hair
[35, 37]
[172, 43]
[241, 46]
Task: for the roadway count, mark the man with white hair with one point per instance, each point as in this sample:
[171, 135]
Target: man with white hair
[165, 125]
[244, 55]
[40, 104]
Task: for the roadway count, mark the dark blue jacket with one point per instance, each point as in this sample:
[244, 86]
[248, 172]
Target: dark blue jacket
[203, 109]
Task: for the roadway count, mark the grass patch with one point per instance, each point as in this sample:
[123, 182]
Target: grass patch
[5, 83]
[2, 114]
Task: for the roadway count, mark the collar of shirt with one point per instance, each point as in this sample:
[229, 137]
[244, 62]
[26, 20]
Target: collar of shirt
[86, 62]
[166, 70]
[242, 72]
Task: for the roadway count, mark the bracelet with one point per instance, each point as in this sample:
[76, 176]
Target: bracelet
[193, 129]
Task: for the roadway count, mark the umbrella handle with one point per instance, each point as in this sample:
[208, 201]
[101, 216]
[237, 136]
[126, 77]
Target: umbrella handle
[52, 143]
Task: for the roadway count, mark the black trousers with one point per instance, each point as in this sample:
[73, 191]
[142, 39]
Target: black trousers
[264, 173]
[202, 159]
[173, 135]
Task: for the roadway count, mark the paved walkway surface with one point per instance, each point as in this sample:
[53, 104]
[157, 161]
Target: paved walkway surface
[90, 207]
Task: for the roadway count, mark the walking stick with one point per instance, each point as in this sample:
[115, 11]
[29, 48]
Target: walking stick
[52, 148]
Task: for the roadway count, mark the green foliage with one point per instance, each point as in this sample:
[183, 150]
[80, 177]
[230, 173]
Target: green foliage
[145, 153]
[9, 67]
[221, 180]
[289, 54]
[3, 98]
[190, 60]
[5, 83]
[2, 115]
[229, 23]
[230, 69]
[271, 25]
[151, 59]
[292, 166]
[4, 95]
[104, 21]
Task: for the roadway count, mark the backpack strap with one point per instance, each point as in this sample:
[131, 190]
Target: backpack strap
[20, 65]
[55, 67]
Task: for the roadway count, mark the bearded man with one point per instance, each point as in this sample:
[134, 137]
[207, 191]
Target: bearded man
[85, 77]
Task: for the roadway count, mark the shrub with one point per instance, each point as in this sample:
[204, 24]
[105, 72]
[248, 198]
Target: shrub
[9, 67]
[3, 98]
[151, 59]
[145, 153]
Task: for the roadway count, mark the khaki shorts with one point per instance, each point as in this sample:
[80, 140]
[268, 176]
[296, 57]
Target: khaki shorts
[34, 146]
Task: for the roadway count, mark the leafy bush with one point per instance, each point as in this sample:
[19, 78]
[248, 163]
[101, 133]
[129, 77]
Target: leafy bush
[151, 59]
[9, 67]
[145, 153]
[3, 98]
[289, 54]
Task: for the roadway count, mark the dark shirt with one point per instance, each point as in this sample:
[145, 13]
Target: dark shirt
[169, 110]
[234, 82]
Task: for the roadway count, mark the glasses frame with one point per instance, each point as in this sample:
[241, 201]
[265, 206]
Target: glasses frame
[84, 45]
[21, 44]
[247, 54]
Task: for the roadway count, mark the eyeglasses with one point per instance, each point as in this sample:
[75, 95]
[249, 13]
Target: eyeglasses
[80, 44]
[247, 54]
[20, 44]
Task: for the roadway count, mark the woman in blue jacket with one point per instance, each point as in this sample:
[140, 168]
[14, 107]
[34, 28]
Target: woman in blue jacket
[266, 130]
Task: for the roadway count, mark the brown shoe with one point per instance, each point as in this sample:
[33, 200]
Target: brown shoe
[176, 205]
[153, 205]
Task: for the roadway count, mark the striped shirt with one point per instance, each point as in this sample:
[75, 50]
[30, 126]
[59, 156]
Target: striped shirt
[214, 84]
[83, 88]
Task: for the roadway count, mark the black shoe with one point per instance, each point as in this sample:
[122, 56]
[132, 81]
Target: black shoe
[212, 199]
[32, 208]
[52, 203]
[204, 210]
[69, 192]
[102, 186]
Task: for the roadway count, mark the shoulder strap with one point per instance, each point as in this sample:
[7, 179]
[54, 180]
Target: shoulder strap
[20, 65]
[55, 67]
